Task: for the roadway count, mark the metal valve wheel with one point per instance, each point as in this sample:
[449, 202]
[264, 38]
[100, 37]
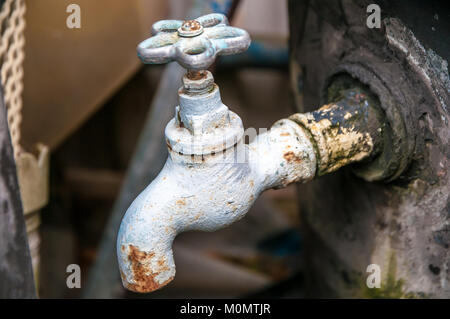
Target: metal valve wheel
[194, 44]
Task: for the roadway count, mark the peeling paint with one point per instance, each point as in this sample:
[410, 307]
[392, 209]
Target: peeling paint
[341, 132]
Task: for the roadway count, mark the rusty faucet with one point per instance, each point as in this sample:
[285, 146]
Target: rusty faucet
[211, 177]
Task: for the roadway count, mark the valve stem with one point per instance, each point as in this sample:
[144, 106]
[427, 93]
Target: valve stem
[196, 75]
[197, 82]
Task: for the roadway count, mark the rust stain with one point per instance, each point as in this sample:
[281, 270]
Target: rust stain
[291, 157]
[252, 183]
[162, 265]
[144, 282]
[191, 25]
[285, 134]
[196, 75]
[181, 202]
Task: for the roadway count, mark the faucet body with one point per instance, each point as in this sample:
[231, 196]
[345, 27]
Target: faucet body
[205, 192]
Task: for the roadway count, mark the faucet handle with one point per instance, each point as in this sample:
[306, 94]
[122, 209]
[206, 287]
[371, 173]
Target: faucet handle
[194, 44]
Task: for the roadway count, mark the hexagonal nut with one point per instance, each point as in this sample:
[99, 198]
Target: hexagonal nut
[200, 81]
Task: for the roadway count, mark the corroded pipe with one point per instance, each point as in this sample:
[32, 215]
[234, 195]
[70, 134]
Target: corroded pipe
[349, 130]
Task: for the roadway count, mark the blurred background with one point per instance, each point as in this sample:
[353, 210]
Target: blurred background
[89, 99]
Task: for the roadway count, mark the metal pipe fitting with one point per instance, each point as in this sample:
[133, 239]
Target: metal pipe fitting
[347, 131]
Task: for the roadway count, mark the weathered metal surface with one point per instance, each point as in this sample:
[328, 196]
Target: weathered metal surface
[202, 123]
[16, 273]
[194, 44]
[211, 178]
[197, 82]
[206, 192]
[348, 131]
[401, 225]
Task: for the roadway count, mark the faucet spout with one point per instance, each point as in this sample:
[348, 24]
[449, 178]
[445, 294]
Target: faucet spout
[185, 196]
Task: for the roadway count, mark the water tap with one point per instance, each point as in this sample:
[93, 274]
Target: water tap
[211, 177]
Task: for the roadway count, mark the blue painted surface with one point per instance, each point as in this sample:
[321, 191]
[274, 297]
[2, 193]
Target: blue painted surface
[221, 6]
[259, 53]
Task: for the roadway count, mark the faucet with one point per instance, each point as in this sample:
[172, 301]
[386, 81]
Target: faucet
[211, 177]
